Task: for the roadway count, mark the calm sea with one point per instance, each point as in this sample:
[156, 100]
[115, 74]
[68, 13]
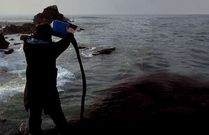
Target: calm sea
[144, 45]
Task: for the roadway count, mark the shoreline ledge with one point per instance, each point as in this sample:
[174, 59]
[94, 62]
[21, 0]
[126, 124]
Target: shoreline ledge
[159, 102]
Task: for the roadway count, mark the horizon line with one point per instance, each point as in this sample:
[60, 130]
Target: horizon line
[111, 14]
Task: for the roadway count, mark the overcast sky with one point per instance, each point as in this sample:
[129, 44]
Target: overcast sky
[83, 7]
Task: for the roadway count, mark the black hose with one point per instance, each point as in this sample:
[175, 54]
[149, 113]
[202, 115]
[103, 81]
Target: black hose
[74, 42]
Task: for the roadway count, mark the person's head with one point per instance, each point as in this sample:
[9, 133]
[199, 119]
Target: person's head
[43, 31]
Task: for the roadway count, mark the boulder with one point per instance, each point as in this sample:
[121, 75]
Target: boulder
[161, 100]
[104, 51]
[26, 28]
[8, 51]
[48, 15]
[157, 102]
[3, 43]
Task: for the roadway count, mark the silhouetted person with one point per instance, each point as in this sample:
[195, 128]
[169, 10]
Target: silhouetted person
[41, 93]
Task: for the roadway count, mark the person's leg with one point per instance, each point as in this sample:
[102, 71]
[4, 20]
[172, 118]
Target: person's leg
[35, 120]
[59, 119]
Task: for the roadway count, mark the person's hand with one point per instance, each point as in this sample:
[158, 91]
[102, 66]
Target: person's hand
[70, 30]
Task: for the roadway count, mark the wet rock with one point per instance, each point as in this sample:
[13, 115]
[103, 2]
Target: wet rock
[17, 43]
[104, 51]
[162, 100]
[3, 120]
[158, 102]
[24, 37]
[8, 51]
[82, 47]
[80, 29]
[3, 43]
[48, 15]
[24, 29]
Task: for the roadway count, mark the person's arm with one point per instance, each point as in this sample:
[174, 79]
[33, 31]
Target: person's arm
[64, 43]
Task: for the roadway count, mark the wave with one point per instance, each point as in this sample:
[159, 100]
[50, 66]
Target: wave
[11, 88]
[17, 84]
[64, 76]
[88, 52]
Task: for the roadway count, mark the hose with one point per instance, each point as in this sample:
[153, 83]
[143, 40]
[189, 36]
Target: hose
[75, 45]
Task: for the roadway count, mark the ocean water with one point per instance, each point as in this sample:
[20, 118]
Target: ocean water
[144, 44]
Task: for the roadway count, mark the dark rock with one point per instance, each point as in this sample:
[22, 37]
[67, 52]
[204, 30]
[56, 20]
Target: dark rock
[161, 102]
[104, 51]
[8, 51]
[48, 15]
[17, 43]
[80, 29]
[3, 120]
[24, 29]
[158, 102]
[3, 43]
[82, 47]
[162, 90]
[24, 37]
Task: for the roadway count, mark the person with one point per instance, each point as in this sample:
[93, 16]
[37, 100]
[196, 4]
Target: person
[41, 94]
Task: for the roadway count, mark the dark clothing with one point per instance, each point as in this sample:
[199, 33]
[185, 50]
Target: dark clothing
[41, 75]
[56, 114]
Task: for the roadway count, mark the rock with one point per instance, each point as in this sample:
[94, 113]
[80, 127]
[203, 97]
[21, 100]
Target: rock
[48, 15]
[3, 43]
[80, 29]
[24, 29]
[162, 100]
[17, 43]
[159, 102]
[3, 120]
[153, 102]
[153, 90]
[25, 37]
[8, 51]
[82, 47]
[104, 51]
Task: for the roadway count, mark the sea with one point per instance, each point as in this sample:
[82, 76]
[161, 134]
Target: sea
[144, 44]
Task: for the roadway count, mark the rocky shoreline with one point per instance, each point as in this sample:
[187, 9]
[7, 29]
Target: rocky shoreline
[160, 102]
[48, 15]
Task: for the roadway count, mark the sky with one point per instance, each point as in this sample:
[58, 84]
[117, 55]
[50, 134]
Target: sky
[92, 7]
